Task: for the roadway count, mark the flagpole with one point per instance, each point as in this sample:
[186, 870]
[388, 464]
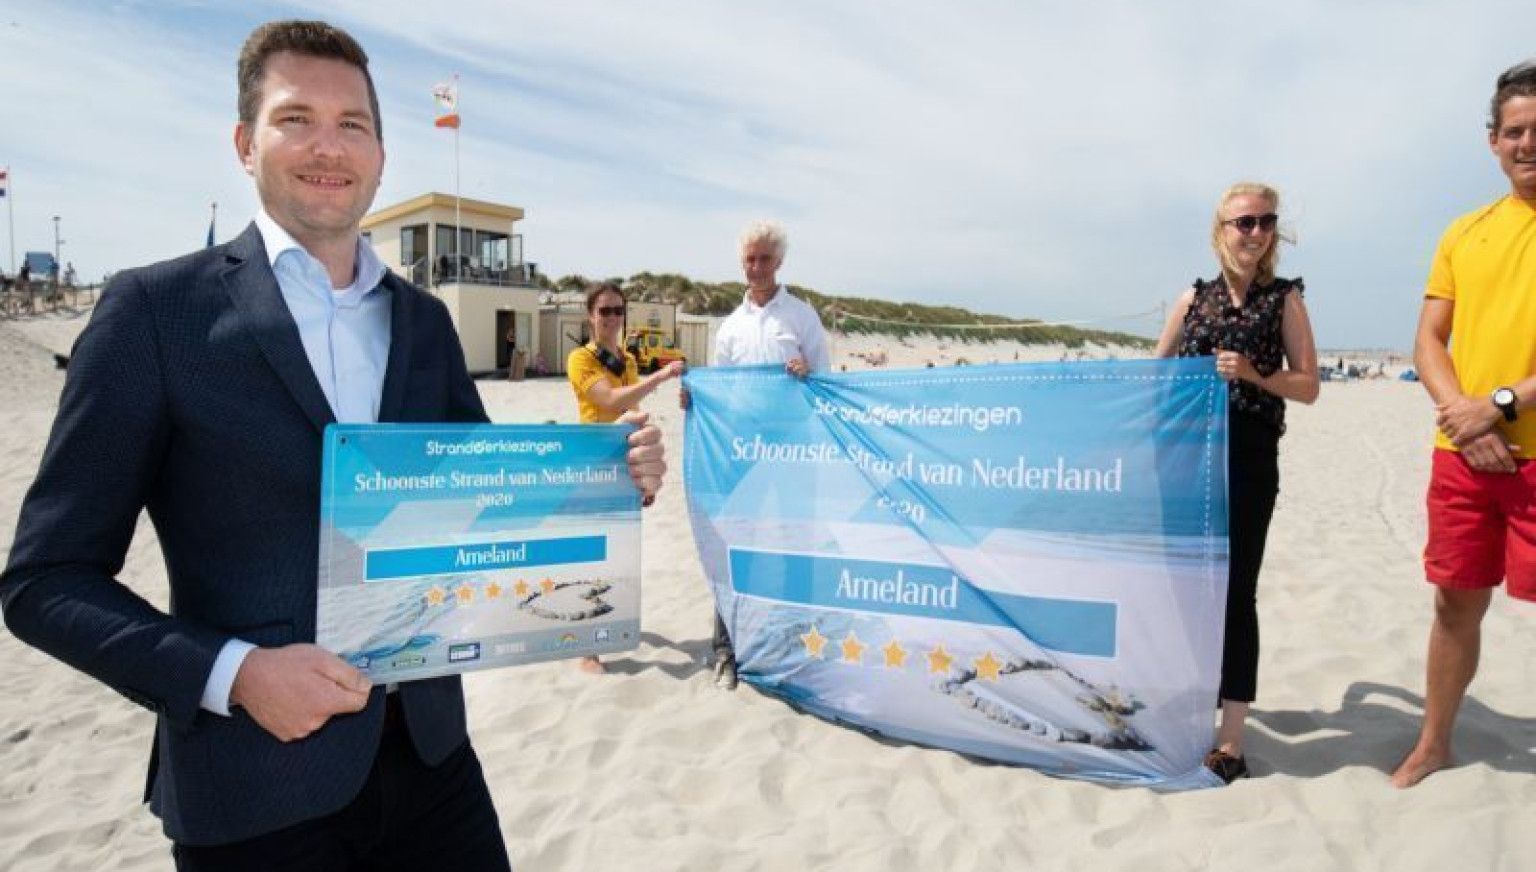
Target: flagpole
[458, 230]
[447, 97]
[10, 212]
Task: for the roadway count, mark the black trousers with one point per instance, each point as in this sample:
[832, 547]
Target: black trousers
[721, 641]
[1253, 480]
[408, 816]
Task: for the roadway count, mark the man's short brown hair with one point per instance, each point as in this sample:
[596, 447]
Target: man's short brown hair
[310, 38]
[1517, 81]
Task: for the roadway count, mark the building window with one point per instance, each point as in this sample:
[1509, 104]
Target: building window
[492, 249]
[413, 244]
[445, 246]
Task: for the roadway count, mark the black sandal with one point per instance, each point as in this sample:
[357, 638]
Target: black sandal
[1226, 766]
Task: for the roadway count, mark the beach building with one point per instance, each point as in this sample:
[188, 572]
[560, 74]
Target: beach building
[563, 327]
[696, 336]
[489, 288]
[481, 275]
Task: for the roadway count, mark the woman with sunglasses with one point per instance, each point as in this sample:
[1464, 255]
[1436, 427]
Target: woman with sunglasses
[1255, 324]
[606, 377]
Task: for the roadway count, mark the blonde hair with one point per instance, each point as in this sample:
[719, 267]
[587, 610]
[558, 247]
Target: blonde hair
[1266, 269]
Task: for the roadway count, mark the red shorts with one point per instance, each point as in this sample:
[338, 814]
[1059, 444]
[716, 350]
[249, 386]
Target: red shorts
[1482, 526]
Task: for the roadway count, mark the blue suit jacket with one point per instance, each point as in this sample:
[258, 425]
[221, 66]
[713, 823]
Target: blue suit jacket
[189, 394]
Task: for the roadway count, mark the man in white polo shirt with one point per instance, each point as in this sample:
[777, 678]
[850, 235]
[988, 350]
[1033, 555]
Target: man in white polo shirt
[770, 326]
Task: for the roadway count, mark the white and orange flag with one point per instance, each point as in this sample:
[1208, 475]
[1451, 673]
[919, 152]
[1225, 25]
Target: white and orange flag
[447, 97]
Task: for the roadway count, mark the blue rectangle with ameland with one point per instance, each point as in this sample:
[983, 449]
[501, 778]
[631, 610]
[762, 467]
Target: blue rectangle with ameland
[923, 591]
[393, 563]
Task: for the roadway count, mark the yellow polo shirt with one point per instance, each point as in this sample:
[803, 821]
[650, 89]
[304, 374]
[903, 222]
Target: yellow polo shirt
[1486, 265]
[584, 370]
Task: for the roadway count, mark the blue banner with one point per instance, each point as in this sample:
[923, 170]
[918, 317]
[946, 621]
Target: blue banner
[451, 547]
[1022, 562]
[388, 564]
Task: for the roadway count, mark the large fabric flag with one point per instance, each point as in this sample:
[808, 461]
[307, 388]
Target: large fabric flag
[1025, 562]
[446, 94]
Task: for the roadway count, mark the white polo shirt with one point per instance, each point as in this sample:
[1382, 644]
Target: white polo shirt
[784, 329]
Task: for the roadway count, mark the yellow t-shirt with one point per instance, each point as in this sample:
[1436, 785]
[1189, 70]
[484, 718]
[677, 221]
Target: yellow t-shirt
[584, 370]
[1486, 265]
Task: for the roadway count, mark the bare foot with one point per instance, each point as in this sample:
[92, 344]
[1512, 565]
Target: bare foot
[1418, 765]
[591, 666]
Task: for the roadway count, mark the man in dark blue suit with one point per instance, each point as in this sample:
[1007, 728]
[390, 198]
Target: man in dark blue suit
[199, 391]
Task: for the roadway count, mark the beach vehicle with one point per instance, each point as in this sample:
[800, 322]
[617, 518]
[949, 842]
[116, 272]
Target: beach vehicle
[652, 349]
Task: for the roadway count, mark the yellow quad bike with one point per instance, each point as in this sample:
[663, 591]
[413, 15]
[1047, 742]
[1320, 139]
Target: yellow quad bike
[653, 350]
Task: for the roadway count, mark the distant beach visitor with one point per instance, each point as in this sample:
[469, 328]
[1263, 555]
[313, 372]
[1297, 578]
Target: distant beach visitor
[1476, 351]
[1256, 326]
[606, 377]
[771, 326]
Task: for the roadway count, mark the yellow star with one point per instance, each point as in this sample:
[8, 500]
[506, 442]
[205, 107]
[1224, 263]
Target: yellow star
[547, 585]
[853, 649]
[492, 590]
[436, 595]
[988, 667]
[521, 588]
[939, 660]
[814, 641]
[895, 655]
[465, 593]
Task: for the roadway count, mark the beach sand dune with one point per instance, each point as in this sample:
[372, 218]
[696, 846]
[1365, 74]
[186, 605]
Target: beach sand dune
[651, 767]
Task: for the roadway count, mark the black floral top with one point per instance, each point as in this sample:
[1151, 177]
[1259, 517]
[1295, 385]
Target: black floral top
[1212, 322]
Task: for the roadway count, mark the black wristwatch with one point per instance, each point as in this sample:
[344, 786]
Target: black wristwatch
[1505, 399]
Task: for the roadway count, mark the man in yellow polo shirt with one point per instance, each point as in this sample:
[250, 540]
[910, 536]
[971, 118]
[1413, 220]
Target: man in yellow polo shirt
[1476, 354]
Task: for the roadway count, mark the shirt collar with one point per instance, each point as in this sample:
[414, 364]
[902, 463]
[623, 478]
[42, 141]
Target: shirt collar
[1527, 206]
[746, 299]
[278, 242]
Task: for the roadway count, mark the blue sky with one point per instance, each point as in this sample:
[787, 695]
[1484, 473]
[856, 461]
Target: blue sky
[1058, 161]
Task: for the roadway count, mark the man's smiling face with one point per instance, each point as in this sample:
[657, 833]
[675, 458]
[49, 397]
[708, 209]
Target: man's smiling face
[1514, 143]
[314, 150]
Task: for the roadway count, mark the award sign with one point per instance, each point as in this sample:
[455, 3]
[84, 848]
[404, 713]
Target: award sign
[446, 548]
[1025, 563]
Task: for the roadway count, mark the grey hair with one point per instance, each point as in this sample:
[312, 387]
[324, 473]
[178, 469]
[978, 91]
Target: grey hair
[765, 230]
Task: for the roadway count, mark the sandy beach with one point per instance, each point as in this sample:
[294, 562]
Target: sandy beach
[651, 767]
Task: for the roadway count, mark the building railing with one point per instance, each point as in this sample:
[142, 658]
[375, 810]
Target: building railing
[463, 270]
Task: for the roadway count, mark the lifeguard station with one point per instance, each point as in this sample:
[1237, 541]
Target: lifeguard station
[478, 272]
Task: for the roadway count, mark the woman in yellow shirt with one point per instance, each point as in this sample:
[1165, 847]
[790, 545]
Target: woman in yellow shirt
[605, 377]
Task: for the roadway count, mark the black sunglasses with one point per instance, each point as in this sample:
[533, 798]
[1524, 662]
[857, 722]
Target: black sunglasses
[1246, 224]
[610, 311]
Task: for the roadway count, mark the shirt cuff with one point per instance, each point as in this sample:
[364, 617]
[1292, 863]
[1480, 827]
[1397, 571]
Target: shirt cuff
[221, 679]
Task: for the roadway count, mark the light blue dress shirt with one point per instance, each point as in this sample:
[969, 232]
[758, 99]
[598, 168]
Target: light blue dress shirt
[345, 332]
